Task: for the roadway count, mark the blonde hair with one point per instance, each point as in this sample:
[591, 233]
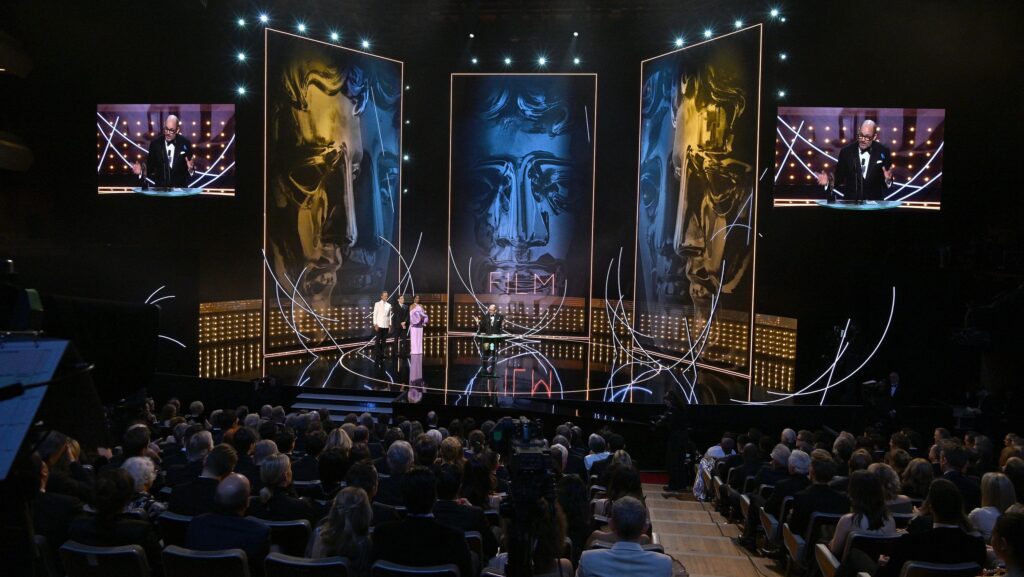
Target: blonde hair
[76, 449]
[347, 524]
[451, 451]
[338, 438]
[997, 491]
[890, 480]
[622, 457]
[275, 470]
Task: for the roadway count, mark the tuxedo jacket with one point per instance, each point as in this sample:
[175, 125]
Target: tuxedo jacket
[488, 327]
[157, 168]
[815, 499]
[848, 172]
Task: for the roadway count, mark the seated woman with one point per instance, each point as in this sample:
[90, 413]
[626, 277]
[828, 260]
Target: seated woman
[112, 526]
[277, 500]
[478, 482]
[572, 497]
[548, 532]
[916, 478]
[997, 494]
[345, 532]
[623, 482]
[1008, 542]
[451, 453]
[894, 499]
[868, 512]
[143, 473]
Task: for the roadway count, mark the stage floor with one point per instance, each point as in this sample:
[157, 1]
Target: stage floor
[462, 370]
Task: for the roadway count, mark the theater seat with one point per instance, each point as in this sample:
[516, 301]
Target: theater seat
[281, 565]
[921, 569]
[182, 562]
[173, 527]
[288, 537]
[87, 561]
[389, 569]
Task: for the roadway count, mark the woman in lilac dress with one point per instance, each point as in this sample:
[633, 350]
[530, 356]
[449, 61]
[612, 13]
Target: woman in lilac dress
[417, 320]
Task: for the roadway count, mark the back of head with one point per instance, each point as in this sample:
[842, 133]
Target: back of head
[751, 454]
[275, 471]
[1008, 539]
[113, 490]
[945, 503]
[264, 449]
[823, 468]
[629, 518]
[285, 439]
[363, 475]
[997, 491]
[400, 456]
[622, 481]
[142, 471]
[780, 455]
[616, 442]
[451, 450]
[349, 519]
[425, 448]
[1014, 469]
[135, 440]
[860, 460]
[244, 440]
[419, 490]
[954, 454]
[843, 449]
[867, 498]
[196, 408]
[449, 479]
[199, 445]
[728, 445]
[799, 462]
[332, 466]
[361, 434]
[315, 443]
[221, 460]
[788, 437]
[889, 479]
[232, 496]
[596, 443]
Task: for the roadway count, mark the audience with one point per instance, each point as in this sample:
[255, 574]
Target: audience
[916, 479]
[345, 532]
[895, 500]
[197, 496]
[199, 444]
[953, 462]
[277, 500]
[364, 476]
[626, 556]
[400, 458]
[464, 517]
[997, 494]
[308, 467]
[143, 473]
[419, 539]
[227, 527]
[819, 497]
[1008, 543]
[868, 512]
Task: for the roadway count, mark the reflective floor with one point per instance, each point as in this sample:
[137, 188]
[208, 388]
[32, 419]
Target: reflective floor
[464, 370]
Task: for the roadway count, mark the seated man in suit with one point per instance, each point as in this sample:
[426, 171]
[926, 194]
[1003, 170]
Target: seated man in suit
[400, 458]
[819, 497]
[770, 474]
[197, 496]
[199, 444]
[448, 511]
[627, 556]
[419, 540]
[308, 468]
[364, 476]
[953, 461]
[228, 527]
[799, 465]
[244, 441]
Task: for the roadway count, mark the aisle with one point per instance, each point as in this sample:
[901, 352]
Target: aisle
[699, 537]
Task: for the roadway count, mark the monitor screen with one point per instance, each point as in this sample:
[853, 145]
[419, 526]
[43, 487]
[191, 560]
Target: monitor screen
[165, 149]
[859, 158]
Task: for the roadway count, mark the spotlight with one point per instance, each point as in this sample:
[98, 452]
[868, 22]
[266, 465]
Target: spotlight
[241, 21]
[508, 61]
[679, 42]
[738, 23]
[707, 33]
[301, 27]
[407, 122]
[335, 36]
[405, 157]
[366, 44]
[783, 19]
[264, 18]
[473, 60]
[774, 13]
[781, 93]
[405, 191]
[407, 87]
[241, 91]
[240, 56]
[576, 61]
[783, 56]
[575, 34]
[541, 61]
[472, 36]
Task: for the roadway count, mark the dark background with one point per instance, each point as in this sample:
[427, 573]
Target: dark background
[816, 266]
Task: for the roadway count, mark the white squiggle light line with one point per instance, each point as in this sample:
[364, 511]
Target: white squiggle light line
[175, 341]
[154, 294]
[99, 165]
[832, 371]
[789, 151]
[153, 302]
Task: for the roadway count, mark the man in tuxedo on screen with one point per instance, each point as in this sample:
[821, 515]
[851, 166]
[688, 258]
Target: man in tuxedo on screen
[863, 169]
[171, 161]
[490, 324]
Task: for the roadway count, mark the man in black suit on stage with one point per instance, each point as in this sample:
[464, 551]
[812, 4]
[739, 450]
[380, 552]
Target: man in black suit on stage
[400, 326]
[490, 324]
[171, 161]
[863, 169]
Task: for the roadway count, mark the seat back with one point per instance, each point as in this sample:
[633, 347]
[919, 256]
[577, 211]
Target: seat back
[748, 484]
[903, 519]
[173, 527]
[182, 562]
[921, 569]
[311, 489]
[87, 561]
[475, 541]
[656, 547]
[281, 565]
[871, 544]
[818, 522]
[389, 569]
[765, 491]
[288, 537]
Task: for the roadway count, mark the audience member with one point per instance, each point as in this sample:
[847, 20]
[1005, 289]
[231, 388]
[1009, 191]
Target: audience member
[895, 500]
[52, 513]
[244, 442]
[574, 501]
[143, 473]
[364, 476]
[197, 496]
[626, 556]
[997, 494]
[478, 483]
[400, 458]
[263, 449]
[227, 527]
[448, 511]
[199, 446]
[916, 478]
[953, 462]
[345, 532]
[1008, 543]
[419, 539]
[597, 453]
[308, 467]
[868, 513]
[819, 497]
[67, 474]
[277, 500]
[332, 466]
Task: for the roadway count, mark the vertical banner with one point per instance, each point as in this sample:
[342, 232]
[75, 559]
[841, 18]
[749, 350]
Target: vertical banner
[697, 202]
[332, 179]
[521, 197]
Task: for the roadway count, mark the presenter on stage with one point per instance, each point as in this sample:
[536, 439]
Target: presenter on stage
[417, 321]
[171, 161]
[381, 323]
[400, 325]
[863, 169]
[490, 324]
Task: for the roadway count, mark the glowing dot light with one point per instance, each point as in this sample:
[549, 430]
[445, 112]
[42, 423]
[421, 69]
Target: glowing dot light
[241, 21]
[774, 13]
[541, 61]
[405, 157]
[301, 27]
[241, 91]
[240, 56]
[679, 42]
[575, 34]
[738, 23]
[707, 33]
[335, 36]
[264, 18]
[473, 60]
[471, 35]
[782, 94]
[366, 44]
[783, 56]
[508, 61]
[576, 61]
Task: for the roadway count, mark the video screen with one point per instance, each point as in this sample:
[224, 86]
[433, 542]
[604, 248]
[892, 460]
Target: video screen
[859, 158]
[165, 149]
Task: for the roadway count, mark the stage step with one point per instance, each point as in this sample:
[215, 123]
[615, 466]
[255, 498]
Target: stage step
[340, 404]
[346, 397]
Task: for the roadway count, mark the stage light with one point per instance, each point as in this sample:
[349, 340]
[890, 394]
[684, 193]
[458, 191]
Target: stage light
[472, 36]
[707, 33]
[241, 91]
[240, 56]
[679, 42]
[264, 18]
[738, 23]
[405, 191]
[473, 60]
[508, 61]
[542, 61]
[241, 21]
[366, 44]
[782, 93]
[783, 56]
[407, 122]
[335, 36]
[576, 61]
[405, 157]
[774, 12]
[783, 19]
[575, 34]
